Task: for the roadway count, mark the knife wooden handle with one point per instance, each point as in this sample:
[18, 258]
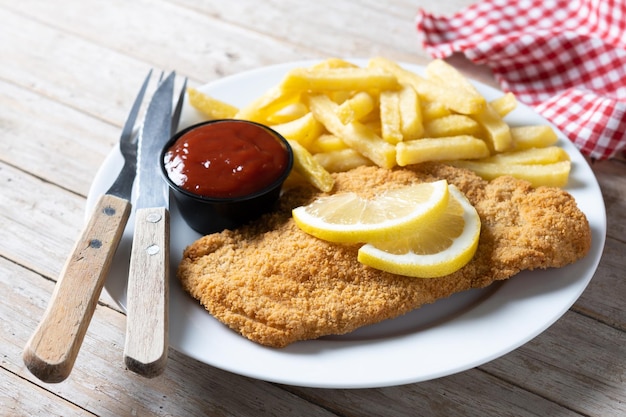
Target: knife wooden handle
[147, 321]
[52, 349]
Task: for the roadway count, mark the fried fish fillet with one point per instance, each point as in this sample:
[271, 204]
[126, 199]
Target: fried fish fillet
[275, 284]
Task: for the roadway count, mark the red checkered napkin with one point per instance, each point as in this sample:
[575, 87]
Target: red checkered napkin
[565, 58]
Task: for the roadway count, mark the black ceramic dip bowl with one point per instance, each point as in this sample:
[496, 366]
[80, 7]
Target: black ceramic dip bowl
[224, 173]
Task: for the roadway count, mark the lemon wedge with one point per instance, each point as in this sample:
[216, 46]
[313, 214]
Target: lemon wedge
[349, 218]
[432, 249]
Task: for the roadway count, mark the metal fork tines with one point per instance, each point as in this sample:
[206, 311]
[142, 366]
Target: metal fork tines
[128, 147]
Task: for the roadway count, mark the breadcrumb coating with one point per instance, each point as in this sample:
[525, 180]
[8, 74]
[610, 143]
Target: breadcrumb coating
[276, 285]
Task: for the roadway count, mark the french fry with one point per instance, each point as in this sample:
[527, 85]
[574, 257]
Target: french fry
[552, 175]
[452, 125]
[440, 149]
[306, 166]
[501, 139]
[327, 142]
[443, 72]
[459, 101]
[375, 126]
[365, 141]
[505, 104]
[411, 122]
[390, 116]
[331, 63]
[433, 110]
[498, 131]
[209, 106]
[338, 79]
[356, 107]
[341, 160]
[356, 135]
[262, 108]
[303, 130]
[339, 96]
[325, 111]
[288, 113]
[525, 137]
[532, 156]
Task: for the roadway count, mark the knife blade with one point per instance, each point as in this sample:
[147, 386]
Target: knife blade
[147, 323]
[51, 351]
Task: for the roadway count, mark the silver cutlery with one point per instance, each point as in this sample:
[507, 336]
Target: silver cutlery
[51, 351]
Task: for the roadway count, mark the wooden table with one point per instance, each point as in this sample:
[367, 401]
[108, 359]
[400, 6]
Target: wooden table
[69, 71]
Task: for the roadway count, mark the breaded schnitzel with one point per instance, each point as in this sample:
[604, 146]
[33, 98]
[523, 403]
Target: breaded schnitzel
[275, 284]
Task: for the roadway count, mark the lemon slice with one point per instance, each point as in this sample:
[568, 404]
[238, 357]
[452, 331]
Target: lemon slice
[433, 249]
[349, 218]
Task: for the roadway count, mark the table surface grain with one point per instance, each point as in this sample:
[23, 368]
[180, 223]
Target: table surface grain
[69, 70]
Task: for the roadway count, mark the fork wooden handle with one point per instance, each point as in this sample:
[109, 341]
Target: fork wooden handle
[51, 351]
[147, 339]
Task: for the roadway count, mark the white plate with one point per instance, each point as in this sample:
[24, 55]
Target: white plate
[449, 336]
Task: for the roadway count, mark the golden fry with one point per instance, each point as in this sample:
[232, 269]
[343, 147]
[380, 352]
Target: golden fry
[440, 149]
[303, 130]
[390, 116]
[532, 156]
[505, 104]
[355, 135]
[341, 160]
[459, 101]
[365, 141]
[452, 125]
[306, 166]
[410, 113]
[356, 107]
[327, 142]
[525, 137]
[209, 106]
[338, 79]
[288, 113]
[261, 109]
[331, 63]
[440, 71]
[498, 131]
[552, 175]
[433, 110]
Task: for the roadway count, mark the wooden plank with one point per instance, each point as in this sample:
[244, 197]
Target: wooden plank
[603, 299]
[78, 142]
[340, 28]
[572, 363]
[610, 175]
[466, 394]
[40, 221]
[100, 384]
[207, 48]
[18, 397]
[80, 74]
[407, 8]
[581, 366]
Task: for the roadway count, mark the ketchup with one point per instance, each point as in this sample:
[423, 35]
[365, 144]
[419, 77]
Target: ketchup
[226, 158]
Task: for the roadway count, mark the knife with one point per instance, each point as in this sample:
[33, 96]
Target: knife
[147, 322]
[51, 351]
